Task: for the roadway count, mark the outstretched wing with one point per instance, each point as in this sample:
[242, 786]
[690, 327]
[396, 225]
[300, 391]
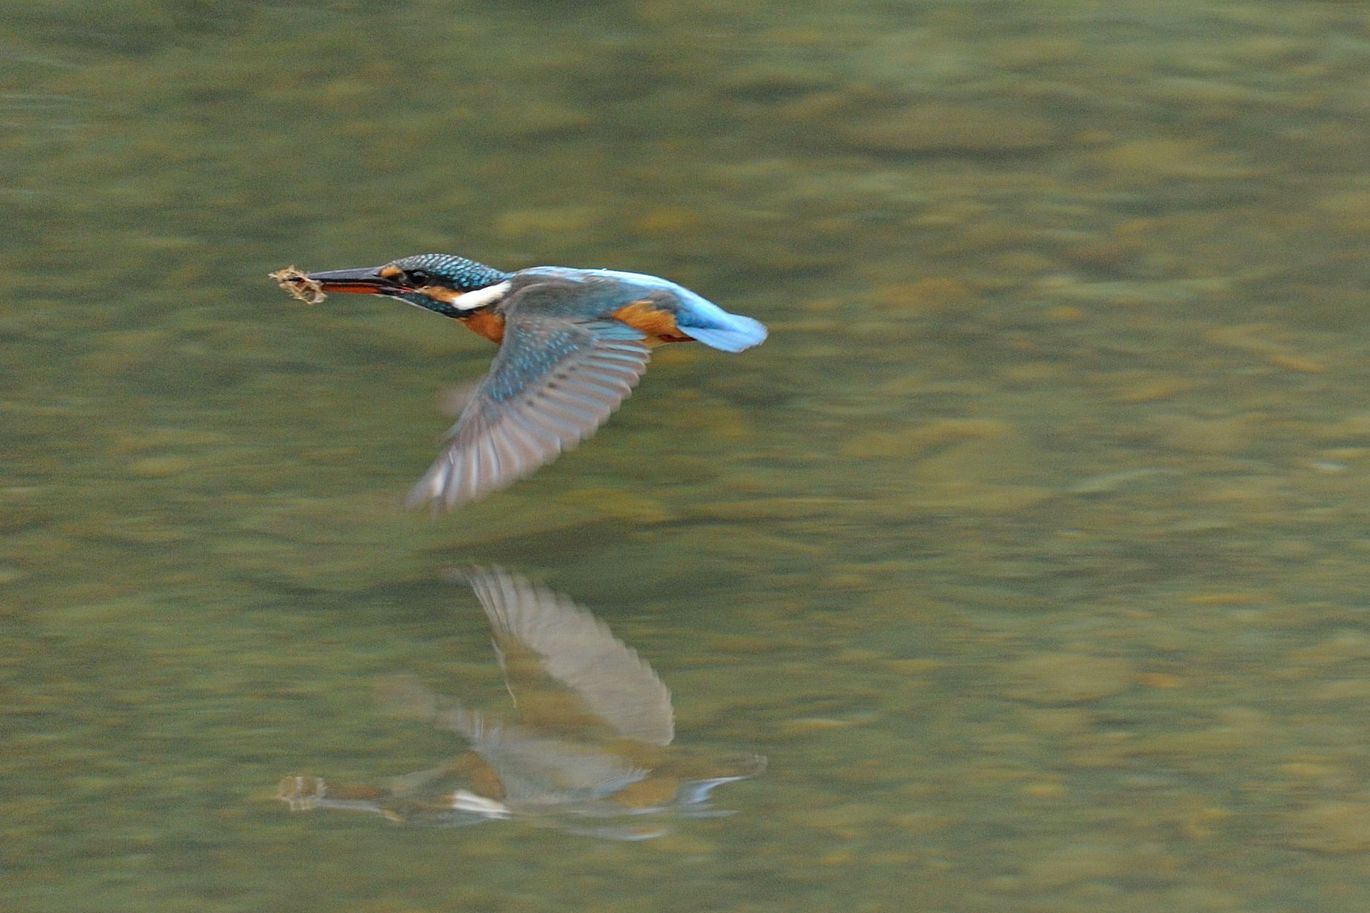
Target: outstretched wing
[554, 381]
[577, 652]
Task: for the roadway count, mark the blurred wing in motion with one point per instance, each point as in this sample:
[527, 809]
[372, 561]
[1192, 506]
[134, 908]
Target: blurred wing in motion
[553, 383]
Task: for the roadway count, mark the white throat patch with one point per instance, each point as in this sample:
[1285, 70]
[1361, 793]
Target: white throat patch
[469, 301]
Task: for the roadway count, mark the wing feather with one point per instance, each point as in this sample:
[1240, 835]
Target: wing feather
[553, 383]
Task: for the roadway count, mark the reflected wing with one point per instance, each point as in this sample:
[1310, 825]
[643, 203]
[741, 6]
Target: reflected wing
[554, 381]
[532, 767]
[540, 769]
[577, 651]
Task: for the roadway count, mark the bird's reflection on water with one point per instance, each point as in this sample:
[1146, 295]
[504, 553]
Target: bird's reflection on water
[591, 741]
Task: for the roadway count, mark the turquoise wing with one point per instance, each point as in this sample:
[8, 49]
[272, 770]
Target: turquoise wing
[554, 381]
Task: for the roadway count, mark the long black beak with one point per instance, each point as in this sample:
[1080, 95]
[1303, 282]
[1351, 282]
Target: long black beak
[365, 281]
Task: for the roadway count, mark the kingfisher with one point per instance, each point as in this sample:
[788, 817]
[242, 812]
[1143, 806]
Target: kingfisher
[573, 344]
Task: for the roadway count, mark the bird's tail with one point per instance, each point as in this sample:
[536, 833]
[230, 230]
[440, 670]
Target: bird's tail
[710, 324]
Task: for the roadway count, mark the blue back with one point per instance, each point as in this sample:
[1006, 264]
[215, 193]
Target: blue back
[695, 315]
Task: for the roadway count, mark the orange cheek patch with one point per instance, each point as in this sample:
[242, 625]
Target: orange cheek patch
[657, 323]
[438, 293]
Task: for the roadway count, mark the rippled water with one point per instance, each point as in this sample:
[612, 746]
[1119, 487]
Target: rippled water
[1030, 549]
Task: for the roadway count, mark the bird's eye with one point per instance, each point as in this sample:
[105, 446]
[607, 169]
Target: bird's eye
[418, 277]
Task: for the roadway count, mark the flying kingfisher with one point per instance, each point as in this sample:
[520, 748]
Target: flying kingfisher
[573, 343]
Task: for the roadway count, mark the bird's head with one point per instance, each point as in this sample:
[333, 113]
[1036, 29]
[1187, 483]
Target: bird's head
[447, 284]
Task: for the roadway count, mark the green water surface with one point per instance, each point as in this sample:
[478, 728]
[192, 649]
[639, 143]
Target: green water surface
[1031, 549]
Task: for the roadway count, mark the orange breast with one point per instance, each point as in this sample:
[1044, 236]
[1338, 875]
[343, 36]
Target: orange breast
[657, 323]
[487, 324]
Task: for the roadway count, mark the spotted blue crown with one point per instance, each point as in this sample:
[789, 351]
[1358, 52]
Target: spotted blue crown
[452, 271]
